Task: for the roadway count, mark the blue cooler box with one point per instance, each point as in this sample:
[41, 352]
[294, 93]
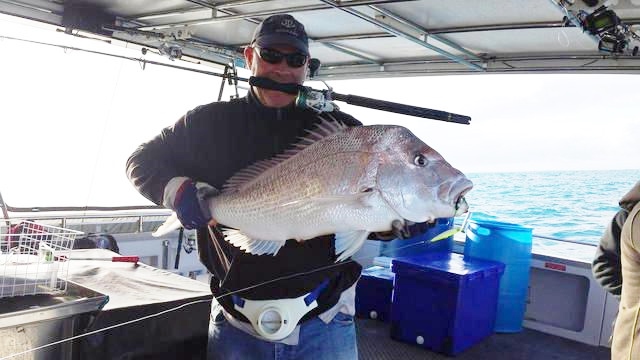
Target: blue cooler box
[444, 302]
[373, 293]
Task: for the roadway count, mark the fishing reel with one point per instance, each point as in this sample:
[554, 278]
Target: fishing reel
[317, 100]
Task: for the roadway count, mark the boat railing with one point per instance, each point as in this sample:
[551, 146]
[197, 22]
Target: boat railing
[113, 222]
[148, 220]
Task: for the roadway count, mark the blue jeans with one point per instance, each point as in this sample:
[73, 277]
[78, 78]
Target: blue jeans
[318, 341]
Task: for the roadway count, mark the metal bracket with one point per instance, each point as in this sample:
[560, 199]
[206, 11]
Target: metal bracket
[177, 33]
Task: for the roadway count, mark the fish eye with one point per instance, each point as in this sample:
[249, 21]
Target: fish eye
[420, 160]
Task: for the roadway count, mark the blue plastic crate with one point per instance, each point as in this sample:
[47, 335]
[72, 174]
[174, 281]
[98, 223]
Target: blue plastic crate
[444, 302]
[373, 293]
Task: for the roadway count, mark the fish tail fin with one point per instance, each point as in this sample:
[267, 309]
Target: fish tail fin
[172, 223]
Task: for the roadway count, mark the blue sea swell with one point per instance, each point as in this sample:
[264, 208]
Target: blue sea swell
[569, 205]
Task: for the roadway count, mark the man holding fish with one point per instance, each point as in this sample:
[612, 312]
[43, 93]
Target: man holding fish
[279, 236]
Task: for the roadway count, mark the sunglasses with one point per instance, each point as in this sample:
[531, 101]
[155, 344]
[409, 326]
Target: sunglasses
[271, 56]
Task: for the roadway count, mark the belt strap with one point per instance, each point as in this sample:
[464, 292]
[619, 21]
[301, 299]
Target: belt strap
[276, 319]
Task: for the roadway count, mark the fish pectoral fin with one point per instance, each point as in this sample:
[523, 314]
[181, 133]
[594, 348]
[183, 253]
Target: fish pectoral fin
[252, 246]
[347, 243]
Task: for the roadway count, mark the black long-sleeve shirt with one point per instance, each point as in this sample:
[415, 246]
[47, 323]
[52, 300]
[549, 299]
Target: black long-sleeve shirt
[210, 144]
[607, 266]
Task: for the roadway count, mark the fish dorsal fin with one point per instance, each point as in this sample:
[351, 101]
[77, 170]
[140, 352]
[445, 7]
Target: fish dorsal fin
[321, 130]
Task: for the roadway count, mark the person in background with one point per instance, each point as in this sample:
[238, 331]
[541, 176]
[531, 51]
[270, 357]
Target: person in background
[626, 342]
[606, 266]
[198, 154]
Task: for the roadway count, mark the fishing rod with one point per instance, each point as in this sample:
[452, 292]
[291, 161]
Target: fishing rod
[322, 101]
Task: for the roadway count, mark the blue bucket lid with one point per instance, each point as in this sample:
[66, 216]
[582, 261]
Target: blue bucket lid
[500, 225]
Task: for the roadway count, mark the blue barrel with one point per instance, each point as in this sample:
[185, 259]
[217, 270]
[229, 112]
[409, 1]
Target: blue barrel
[509, 244]
[420, 244]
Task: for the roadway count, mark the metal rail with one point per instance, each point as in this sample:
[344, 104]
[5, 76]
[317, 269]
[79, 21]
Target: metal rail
[405, 35]
[64, 220]
[426, 32]
[249, 15]
[205, 6]
[345, 6]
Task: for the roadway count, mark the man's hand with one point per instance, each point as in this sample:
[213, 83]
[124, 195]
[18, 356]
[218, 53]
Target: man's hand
[402, 230]
[190, 201]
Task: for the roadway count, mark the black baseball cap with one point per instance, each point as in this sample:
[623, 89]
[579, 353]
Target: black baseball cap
[281, 29]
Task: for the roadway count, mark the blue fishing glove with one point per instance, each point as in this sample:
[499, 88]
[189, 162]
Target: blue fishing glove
[190, 201]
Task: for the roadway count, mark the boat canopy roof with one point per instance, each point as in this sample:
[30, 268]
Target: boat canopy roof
[375, 38]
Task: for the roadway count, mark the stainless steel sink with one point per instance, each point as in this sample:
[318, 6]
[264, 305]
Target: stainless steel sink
[39, 326]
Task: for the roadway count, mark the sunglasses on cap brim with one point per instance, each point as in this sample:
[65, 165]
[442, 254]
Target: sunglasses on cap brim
[294, 60]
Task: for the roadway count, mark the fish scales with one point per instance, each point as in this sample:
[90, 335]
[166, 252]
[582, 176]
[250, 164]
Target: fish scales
[280, 201]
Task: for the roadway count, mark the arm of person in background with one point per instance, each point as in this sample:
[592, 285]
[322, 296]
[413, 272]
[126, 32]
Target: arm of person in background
[606, 265]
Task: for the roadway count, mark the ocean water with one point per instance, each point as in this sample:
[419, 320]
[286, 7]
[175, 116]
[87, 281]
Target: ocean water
[570, 205]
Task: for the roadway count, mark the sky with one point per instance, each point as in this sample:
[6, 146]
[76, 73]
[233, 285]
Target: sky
[518, 122]
[70, 119]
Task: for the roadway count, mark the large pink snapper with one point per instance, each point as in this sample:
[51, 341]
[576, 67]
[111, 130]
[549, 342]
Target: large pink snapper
[347, 181]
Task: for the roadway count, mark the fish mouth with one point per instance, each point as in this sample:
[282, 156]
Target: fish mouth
[461, 206]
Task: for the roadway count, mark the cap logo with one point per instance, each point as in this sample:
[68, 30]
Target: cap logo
[281, 29]
[288, 23]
